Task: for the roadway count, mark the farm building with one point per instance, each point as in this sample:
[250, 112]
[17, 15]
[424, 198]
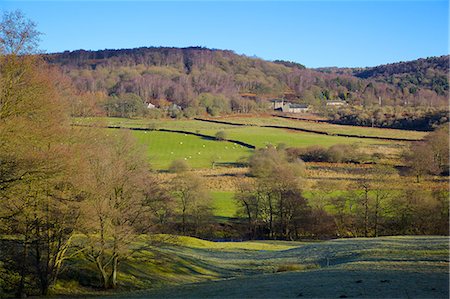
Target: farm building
[295, 108]
[281, 105]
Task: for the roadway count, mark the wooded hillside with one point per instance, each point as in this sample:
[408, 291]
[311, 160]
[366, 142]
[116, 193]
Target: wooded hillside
[180, 75]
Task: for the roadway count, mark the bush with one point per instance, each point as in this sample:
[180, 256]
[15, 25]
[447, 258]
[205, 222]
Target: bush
[338, 153]
[314, 154]
[178, 166]
[221, 135]
[154, 113]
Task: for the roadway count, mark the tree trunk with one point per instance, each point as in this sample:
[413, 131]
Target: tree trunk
[377, 206]
[249, 217]
[366, 213]
[270, 218]
[183, 221]
[21, 288]
[102, 270]
[113, 278]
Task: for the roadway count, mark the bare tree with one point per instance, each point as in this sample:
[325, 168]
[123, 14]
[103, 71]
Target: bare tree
[277, 191]
[37, 197]
[115, 184]
[18, 35]
[192, 200]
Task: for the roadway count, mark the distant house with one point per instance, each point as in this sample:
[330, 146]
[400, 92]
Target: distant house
[283, 106]
[150, 106]
[336, 103]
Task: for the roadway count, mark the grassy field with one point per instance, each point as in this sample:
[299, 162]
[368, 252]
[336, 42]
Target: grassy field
[257, 136]
[185, 124]
[261, 137]
[384, 267]
[224, 204]
[331, 128]
[164, 147]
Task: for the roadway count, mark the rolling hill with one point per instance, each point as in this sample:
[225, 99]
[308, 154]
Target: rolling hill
[180, 75]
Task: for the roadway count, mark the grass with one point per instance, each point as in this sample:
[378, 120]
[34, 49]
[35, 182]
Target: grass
[185, 267]
[224, 204]
[191, 242]
[185, 124]
[164, 147]
[332, 128]
[261, 137]
[257, 136]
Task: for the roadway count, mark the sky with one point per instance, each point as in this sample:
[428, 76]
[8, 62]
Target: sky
[313, 33]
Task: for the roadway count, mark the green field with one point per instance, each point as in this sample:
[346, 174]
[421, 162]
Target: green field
[331, 128]
[164, 147]
[199, 152]
[187, 125]
[261, 137]
[185, 267]
[224, 204]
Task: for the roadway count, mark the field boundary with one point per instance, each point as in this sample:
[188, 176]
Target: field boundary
[208, 137]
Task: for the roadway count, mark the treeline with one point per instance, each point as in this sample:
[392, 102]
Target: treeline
[430, 73]
[131, 105]
[181, 75]
[338, 153]
[377, 203]
[407, 118]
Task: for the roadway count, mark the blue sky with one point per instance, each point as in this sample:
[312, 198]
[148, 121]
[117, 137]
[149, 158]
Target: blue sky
[314, 33]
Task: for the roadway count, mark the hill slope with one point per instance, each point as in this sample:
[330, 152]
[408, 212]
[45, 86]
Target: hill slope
[381, 267]
[180, 75]
[430, 73]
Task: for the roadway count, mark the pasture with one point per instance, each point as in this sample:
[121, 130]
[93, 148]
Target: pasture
[407, 266]
[200, 152]
[164, 147]
[224, 205]
[262, 137]
[330, 128]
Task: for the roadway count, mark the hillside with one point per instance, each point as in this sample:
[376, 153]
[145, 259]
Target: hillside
[430, 73]
[388, 267]
[182, 75]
